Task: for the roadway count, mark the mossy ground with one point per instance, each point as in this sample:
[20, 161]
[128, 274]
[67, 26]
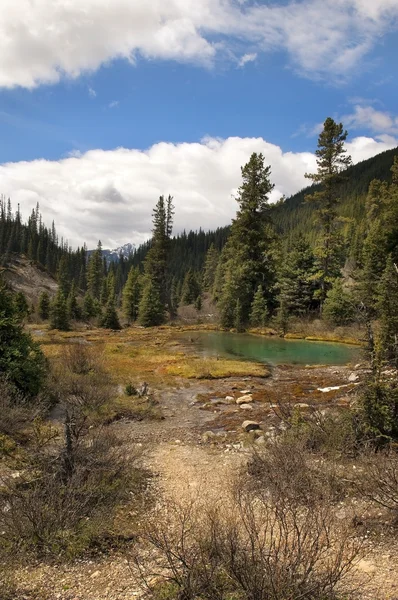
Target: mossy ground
[155, 355]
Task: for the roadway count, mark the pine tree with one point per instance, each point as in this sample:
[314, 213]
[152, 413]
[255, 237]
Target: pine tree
[63, 276]
[339, 306]
[110, 319]
[190, 288]
[59, 313]
[44, 306]
[297, 278]
[388, 312]
[21, 359]
[249, 250]
[88, 306]
[21, 305]
[151, 308]
[155, 285]
[332, 159]
[95, 273]
[73, 308]
[259, 310]
[238, 316]
[210, 268]
[198, 303]
[132, 295]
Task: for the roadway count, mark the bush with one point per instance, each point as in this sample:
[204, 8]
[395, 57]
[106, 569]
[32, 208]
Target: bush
[21, 359]
[248, 549]
[55, 507]
[287, 472]
[378, 481]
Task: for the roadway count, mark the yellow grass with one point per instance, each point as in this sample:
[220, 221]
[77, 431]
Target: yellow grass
[156, 355]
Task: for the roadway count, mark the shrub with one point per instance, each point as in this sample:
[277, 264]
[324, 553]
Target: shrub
[249, 549]
[21, 359]
[56, 506]
[378, 481]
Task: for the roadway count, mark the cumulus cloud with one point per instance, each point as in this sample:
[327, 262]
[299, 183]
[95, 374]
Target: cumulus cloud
[378, 121]
[42, 41]
[109, 195]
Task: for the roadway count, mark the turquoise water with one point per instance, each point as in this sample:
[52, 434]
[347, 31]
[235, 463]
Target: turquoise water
[270, 350]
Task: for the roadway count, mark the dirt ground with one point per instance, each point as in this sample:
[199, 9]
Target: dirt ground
[200, 445]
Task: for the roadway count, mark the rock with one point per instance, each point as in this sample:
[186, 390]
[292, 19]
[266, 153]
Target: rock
[229, 399]
[353, 377]
[358, 366]
[301, 405]
[95, 574]
[244, 399]
[260, 441]
[246, 407]
[250, 426]
[208, 435]
[245, 391]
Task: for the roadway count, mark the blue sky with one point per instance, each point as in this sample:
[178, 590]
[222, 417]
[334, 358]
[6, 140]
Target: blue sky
[104, 106]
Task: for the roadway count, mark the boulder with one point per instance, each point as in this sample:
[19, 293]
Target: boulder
[245, 407]
[245, 391]
[244, 399]
[250, 426]
[229, 399]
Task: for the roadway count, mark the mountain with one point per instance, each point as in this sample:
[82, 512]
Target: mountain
[113, 255]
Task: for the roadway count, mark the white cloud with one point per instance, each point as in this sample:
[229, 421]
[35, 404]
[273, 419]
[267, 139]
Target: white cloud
[44, 40]
[367, 117]
[109, 195]
[114, 104]
[247, 58]
[92, 93]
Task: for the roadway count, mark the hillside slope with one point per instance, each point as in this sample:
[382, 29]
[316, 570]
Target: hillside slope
[24, 275]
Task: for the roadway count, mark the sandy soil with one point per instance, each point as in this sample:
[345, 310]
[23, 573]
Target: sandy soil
[187, 461]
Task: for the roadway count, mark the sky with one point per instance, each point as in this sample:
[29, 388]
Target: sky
[107, 104]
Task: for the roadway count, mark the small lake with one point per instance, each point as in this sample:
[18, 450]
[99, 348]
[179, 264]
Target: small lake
[270, 350]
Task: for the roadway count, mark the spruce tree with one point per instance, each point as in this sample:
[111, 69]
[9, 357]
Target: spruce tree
[59, 318]
[259, 310]
[73, 307]
[21, 359]
[387, 307]
[332, 159]
[155, 286]
[95, 273]
[21, 305]
[151, 308]
[90, 308]
[132, 295]
[110, 319]
[63, 276]
[44, 306]
[249, 250]
[210, 268]
[339, 307]
[297, 279]
[190, 288]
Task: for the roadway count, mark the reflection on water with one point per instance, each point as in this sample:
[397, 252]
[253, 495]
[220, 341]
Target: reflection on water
[274, 351]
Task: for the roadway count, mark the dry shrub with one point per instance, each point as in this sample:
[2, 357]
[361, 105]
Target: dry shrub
[82, 359]
[378, 479]
[327, 432]
[247, 548]
[288, 472]
[16, 412]
[55, 506]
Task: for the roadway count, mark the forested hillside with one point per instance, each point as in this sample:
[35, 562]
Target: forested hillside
[292, 217]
